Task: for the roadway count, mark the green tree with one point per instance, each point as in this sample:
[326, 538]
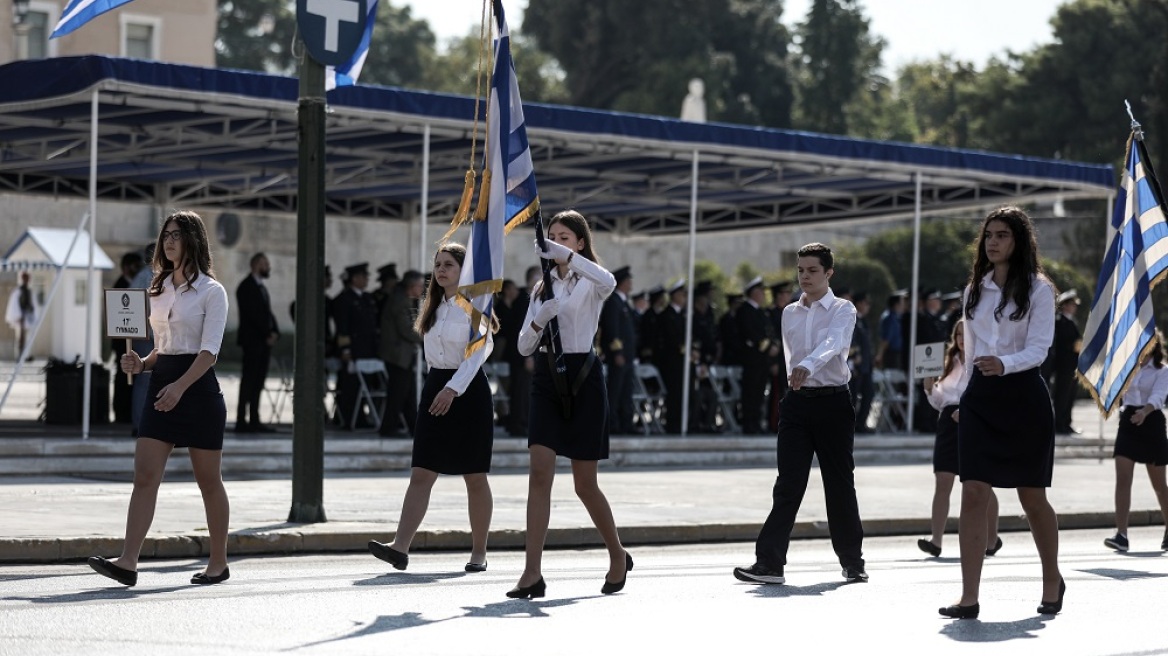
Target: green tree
[540, 76]
[946, 253]
[862, 274]
[942, 96]
[837, 57]
[402, 50]
[256, 35]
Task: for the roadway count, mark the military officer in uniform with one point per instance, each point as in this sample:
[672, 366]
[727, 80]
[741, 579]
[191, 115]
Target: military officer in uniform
[648, 340]
[355, 314]
[618, 345]
[703, 402]
[759, 348]
[671, 360]
[1064, 354]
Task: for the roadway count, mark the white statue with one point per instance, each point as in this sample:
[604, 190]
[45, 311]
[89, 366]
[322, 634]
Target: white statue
[693, 108]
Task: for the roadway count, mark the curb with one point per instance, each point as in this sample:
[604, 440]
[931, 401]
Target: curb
[295, 541]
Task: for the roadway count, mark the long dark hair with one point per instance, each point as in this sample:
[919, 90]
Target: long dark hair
[954, 349]
[196, 251]
[1023, 263]
[574, 221]
[433, 296]
[1158, 350]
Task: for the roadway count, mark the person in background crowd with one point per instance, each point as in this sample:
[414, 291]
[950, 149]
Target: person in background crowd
[143, 347]
[780, 298]
[891, 355]
[729, 342]
[759, 348]
[928, 332]
[950, 311]
[398, 347]
[862, 362]
[123, 388]
[257, 334]
[640, 305]
[1063, 361]
[672, 360]
[355, 315]
[505, 341]
[618, 345]
[649, 340]
[703, 403]
[22, 312]
[387, 280]
[522, 366]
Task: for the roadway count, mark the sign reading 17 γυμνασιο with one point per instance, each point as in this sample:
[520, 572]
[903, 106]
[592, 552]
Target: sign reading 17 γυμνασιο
[928, 360]
[125, 313]
[332, 29]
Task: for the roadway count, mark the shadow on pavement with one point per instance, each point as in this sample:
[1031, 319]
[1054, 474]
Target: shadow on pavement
[786, 590]
[98, 595]
[403, 578]
[978, 631]
[1123, 574]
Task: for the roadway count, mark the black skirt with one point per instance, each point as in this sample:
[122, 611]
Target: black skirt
[945, 447]
[460, 441]
[199, 418]
[585, 435]
[1146, 443]
[1006, 432]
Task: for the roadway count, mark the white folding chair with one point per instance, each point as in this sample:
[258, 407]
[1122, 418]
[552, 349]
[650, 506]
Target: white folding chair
[892, 397]
[649, 398]
[279, 391]
[495, 372]
[725, 381]
[370, 370]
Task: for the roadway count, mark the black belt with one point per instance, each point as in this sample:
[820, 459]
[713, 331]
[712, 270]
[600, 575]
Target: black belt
[821, 391]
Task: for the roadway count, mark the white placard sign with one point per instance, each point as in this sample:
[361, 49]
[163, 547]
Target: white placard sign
[928, 360]
[125, 313]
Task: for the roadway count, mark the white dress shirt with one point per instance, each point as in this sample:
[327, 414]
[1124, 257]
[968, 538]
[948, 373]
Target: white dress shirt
[818, 337]
[445, 345]
[1020, 345]
[581, 295]
[948, 390]
[187, 321]
[1149, 386]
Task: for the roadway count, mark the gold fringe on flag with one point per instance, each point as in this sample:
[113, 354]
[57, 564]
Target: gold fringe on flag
[463, 212]
[484, 197]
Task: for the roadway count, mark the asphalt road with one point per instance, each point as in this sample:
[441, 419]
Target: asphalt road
[679, 600]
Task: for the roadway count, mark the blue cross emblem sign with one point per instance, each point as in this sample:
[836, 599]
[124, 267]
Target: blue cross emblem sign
[332, 29]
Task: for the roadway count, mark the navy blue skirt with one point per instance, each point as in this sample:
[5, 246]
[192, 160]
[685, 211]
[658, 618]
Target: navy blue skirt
[945, 447]
[1146, 443]
[585, 435]
[1006, 433]
[460, 441]
[200, 417]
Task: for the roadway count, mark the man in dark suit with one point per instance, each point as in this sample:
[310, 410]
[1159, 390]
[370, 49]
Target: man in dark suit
[355, 316]
[758, 349]
[1064, 354]
[257, 332]
[672, 358]
[929, 331]
[618, 345]
[649, 336]
[398, 345]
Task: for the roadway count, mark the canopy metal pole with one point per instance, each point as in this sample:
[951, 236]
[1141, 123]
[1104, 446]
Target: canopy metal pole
[36, 328]
[423, 249]
[916, 283]
[89, 288]
[689, 289]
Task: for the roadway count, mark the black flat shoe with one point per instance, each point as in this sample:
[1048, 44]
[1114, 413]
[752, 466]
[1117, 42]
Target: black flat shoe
[476, 567]
[537, 589]
[106, 568]
[390, 555]
[203, 579]
[959, 612]
[610, 588]
[996, 548]
[928, 547]
[1053, 607]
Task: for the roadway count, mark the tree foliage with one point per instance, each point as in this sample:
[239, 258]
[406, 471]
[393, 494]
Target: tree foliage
[241, 42]
[837, 60]
[946, 253]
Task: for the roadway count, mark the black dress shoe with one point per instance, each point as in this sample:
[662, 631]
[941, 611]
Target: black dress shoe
[610, 588]
[537, 589]
[203, 579]
[1053, 607]
[476, 567]
[928, 547]
[390, 555]
[261, 428]
[996, 548]
[959, 612]
[106, 568]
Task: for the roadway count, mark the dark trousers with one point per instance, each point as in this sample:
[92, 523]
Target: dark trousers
[754, 381]
[520, 393]
[251, 384]
[674, 379]
[620, 398]
[401, 401]
[819, 426]
[863, 391]
[1064, 399]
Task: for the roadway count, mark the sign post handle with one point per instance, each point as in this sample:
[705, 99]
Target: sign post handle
[129, 347]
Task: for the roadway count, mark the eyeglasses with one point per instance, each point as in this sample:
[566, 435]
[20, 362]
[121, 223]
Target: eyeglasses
[171, 235]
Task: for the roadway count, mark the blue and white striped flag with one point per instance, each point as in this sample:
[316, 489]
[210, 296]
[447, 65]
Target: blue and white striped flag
[513, 199]
[80, 12]
[1122, 325]
[346, 75]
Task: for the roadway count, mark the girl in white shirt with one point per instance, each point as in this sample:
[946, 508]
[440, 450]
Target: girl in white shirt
[944, 394]
[1141, 438]
[576, 427]
[1006, 433]
[184, 405]
[455, 430]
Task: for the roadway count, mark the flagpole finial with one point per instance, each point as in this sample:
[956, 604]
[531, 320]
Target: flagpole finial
[1136, 129]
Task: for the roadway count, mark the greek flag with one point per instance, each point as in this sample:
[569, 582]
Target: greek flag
[80, 12]
[346, 75]
[510, 177]
[1122, 325]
